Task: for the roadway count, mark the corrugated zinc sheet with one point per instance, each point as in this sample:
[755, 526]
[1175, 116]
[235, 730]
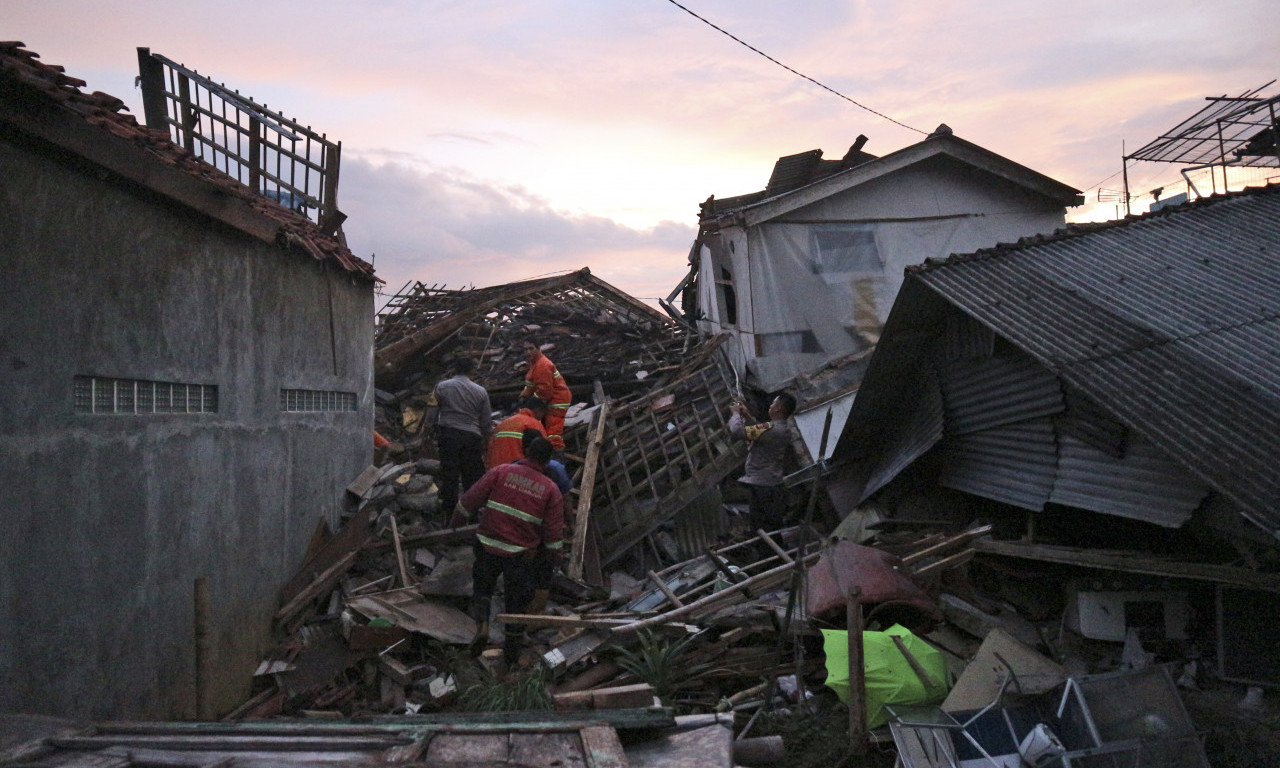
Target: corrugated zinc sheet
[981, 394]
[1014, 463]
[915, 436]
[1143, 485]
[966, 339]
[1170, 322]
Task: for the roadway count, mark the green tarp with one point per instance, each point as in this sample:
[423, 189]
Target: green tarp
[889, 676]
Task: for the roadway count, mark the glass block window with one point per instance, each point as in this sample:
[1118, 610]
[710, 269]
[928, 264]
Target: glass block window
[312, 400]
[101, 395]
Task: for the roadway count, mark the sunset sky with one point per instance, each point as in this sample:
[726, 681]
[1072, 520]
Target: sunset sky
[485, 142]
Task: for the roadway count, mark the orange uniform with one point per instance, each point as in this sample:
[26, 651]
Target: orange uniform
[546, 382]
[505, 445]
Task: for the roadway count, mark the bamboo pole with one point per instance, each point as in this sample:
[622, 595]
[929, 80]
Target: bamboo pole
[725, 594]
[857, 675]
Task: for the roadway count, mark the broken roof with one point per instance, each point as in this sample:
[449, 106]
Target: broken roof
[46, 105]
[1170, 323]
[421, 317]
[804, 178]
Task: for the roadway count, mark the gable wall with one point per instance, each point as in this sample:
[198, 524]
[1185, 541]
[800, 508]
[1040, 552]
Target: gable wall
[107, 520]
[805, 314]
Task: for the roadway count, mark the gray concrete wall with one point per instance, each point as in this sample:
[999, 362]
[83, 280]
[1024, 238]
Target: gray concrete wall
[107, 520]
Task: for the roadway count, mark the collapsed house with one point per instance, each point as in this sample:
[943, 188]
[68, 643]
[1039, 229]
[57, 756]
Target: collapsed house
[187, 388]
[802, 274]
[1107, 396]
[654, 443]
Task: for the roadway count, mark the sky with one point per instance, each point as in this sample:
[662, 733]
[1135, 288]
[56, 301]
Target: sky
[486, 142]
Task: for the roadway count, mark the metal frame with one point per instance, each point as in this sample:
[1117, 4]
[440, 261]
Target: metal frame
[1218, 135]
[275, 156]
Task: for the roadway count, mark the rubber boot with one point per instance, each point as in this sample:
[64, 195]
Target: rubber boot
[539, 602]
[480, 640]
[511, 646]
[478, 610]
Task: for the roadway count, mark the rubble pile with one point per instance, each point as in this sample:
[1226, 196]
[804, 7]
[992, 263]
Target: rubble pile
[968, 644]
[594, 332]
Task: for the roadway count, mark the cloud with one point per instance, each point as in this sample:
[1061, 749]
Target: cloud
[444, 226]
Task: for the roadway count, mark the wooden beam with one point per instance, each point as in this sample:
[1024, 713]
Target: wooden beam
[586, 490]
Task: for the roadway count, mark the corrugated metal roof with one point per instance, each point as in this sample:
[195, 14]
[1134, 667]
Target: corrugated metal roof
[1013, 463]
[981, 394]
[1170, 322]
[1142, 485]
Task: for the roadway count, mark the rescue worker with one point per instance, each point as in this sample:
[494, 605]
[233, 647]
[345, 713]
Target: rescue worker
[545, 570]
[521, 523]
[460, 412]
[506, 445]
[542, 379]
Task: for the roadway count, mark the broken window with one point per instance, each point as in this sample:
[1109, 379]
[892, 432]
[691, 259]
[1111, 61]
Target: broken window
[727, 296]
[845, 251]
[791, 343]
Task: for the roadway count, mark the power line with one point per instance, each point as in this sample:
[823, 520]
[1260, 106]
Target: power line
[794, 72]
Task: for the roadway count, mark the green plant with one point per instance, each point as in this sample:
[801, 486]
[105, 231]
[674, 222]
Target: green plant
[523, 691]
[662, 663]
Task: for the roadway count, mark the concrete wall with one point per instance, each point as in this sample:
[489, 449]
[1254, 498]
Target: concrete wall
[107, 520]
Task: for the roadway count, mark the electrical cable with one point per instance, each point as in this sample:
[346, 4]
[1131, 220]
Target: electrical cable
[794, 72]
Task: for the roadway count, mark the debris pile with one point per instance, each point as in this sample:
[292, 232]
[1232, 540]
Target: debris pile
[965, 645]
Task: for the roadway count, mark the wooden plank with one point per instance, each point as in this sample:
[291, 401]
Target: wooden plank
[246, 743]
[351, 536]
[953, 561]
[324, 582]
[777, 549]
[946, 544]
[416, 613]
[662, 587]
[540, 621]
[366, 480]
[577, 550]
[460, 535]
[404, 569]
[916, 666]
[728, 593]
[614, 697]
[1132, 562]
[602, 748]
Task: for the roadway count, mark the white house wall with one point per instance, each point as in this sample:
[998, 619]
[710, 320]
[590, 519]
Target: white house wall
[802, 310]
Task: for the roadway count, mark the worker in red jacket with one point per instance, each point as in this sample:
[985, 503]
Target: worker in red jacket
[521, 523]
[505, 444]
[542, 379]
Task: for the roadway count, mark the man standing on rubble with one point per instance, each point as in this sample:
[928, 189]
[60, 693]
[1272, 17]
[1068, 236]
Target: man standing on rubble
[763, 473]
[521, 525]
[462, 416]
[507, 443]
[544, 380]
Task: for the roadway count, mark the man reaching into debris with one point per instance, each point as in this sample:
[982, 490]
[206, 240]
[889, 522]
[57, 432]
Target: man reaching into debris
[763, 474]
[544, 380]
[507, 443]
[460, 410]
[521, 522]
